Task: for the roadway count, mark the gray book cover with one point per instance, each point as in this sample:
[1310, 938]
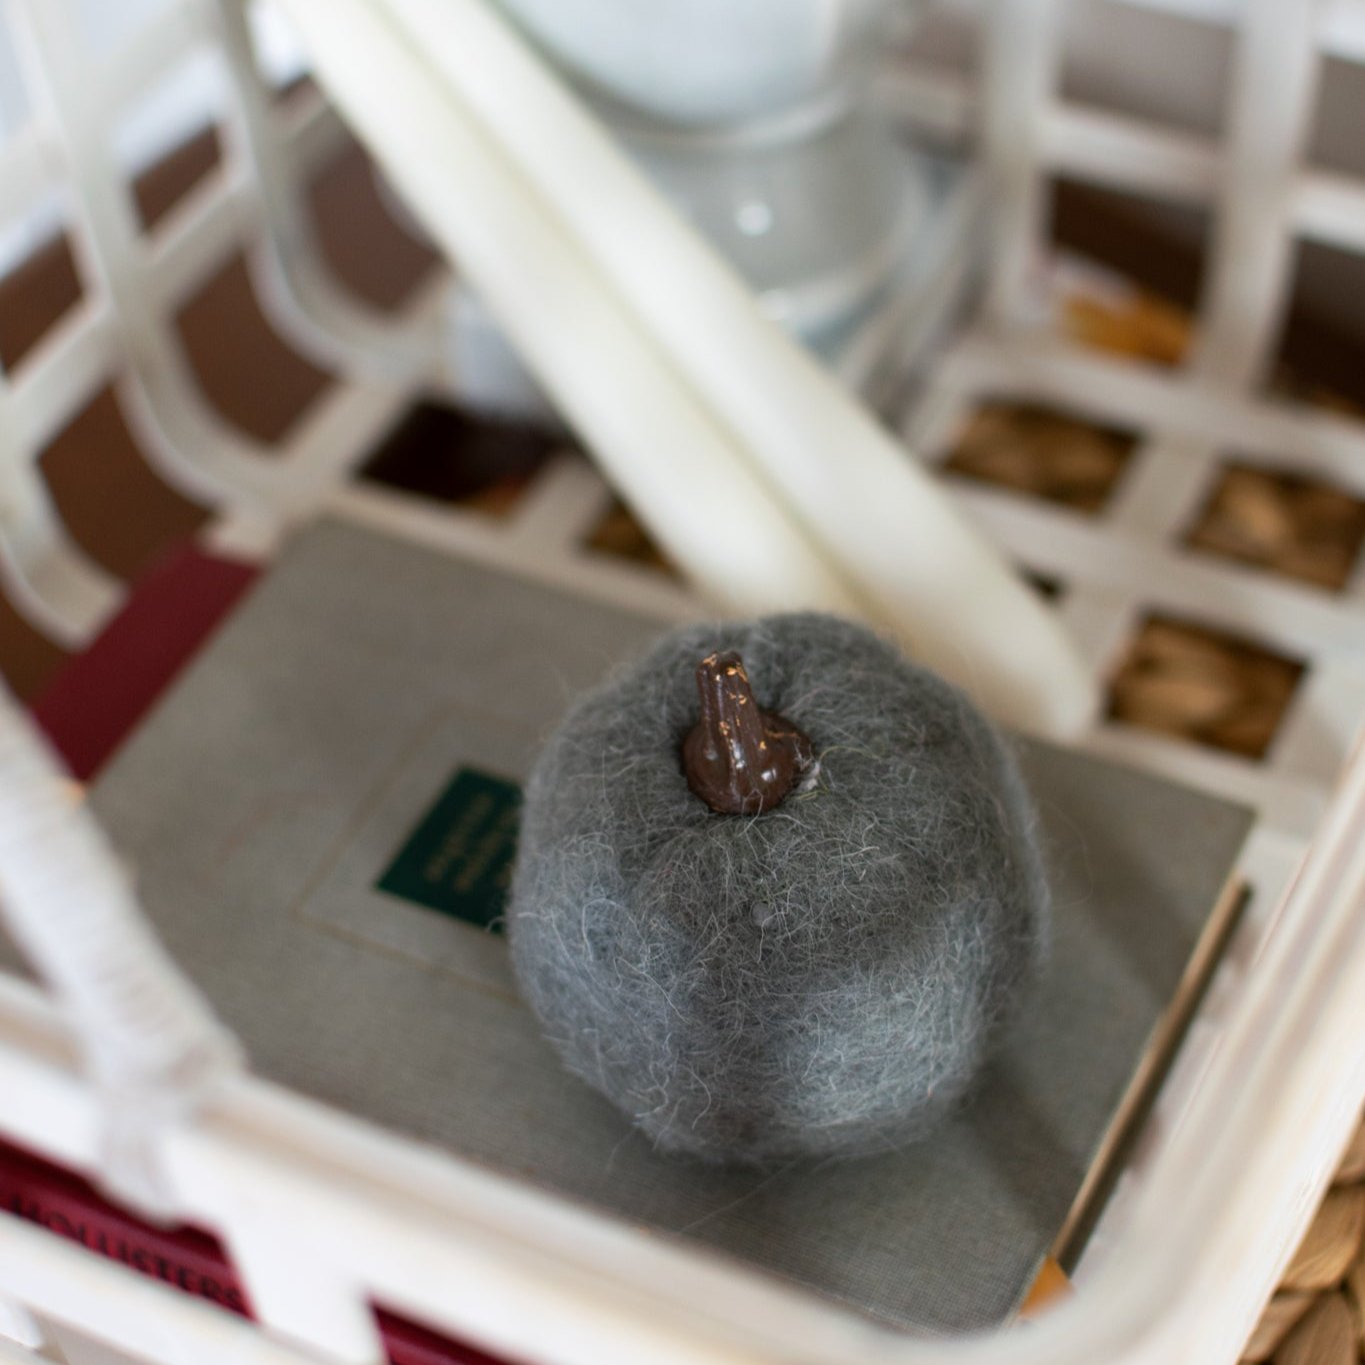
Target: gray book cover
[321, 814]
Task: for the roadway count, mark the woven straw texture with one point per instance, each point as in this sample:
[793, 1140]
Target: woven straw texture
[1317, 1315]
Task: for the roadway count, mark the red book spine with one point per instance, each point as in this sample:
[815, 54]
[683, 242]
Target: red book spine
[98, 697]
[187, 1258]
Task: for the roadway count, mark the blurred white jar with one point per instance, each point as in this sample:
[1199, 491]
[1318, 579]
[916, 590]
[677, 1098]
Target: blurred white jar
[753, 117]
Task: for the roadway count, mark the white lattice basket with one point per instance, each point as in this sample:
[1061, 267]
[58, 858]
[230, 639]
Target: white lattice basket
[323, 1215]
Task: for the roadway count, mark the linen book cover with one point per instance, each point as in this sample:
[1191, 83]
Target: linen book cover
[322, 814]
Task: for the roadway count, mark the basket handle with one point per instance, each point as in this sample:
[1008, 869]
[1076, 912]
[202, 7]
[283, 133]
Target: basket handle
[148, 1039]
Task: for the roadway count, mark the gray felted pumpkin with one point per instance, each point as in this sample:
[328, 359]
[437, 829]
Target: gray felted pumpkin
[780, 922]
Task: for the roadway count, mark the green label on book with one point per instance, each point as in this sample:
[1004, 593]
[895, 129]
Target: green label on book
[459, 858]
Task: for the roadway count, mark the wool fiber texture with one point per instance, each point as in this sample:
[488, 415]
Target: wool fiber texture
[823, 979]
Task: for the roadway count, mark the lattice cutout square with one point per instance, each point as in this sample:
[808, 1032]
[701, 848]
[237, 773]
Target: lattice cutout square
[40, 289]
[248, 371]
[1137, 324]
[1203, 685]
[1317, 357]
[1283, 522]
[93, 467]
[1194, 58]
[456, 458]
[369, 250]
[618, 533]
[1043, 452]
[1126, 279]
[167, 131]
[172, 178]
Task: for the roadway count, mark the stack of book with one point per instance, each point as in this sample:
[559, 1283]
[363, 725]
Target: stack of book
[322, 814]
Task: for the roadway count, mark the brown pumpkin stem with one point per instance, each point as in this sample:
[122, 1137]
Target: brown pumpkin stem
[740, 759]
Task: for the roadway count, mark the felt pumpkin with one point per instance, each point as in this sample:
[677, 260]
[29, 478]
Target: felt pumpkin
[778, 891]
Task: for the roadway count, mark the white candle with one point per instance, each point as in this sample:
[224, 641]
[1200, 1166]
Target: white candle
[660, 445]
[473, 126]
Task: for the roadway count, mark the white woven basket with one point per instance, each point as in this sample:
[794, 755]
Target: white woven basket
[122, 1073]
